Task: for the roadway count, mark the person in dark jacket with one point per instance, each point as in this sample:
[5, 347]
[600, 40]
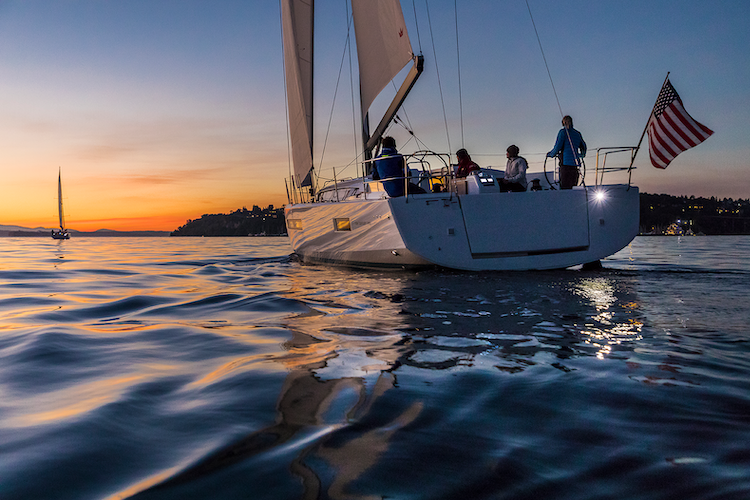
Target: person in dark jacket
[570, 147]
[390, 165]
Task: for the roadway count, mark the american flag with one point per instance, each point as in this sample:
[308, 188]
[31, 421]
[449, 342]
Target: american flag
[671, 129]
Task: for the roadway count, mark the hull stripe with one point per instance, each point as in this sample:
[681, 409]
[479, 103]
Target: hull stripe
[496, 255]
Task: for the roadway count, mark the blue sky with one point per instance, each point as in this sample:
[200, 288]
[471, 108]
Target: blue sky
[161, 111]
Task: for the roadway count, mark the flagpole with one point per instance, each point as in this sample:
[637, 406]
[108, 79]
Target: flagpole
[645, 129]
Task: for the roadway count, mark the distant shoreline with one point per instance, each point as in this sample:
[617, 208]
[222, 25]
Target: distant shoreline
[85, 234]
[123, 234]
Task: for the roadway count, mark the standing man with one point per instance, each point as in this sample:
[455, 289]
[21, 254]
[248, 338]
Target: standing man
[570, 147]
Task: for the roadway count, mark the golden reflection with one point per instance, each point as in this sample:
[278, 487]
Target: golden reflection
[344, 351]
[143, 485]
[236, 364]
[607, 328]
[339, 359]
[77, 401]
[362, 452]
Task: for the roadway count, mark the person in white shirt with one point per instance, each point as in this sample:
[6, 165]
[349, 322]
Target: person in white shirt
[515, 172]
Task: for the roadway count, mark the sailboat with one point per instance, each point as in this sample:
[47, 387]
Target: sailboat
[455, 223]
[62, 233]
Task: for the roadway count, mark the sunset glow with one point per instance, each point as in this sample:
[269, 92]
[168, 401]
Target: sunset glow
[157, 115]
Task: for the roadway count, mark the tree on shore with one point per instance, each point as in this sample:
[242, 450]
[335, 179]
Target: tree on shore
[243, 222]
[699, 215]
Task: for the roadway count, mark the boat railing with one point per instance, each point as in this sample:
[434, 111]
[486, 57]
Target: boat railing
[434, 173]
[602, 155]
[429, 170]
[430, 178]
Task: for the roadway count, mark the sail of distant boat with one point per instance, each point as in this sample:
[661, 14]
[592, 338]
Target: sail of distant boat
[62, 233]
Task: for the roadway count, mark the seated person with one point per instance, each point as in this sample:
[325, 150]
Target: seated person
[465, 164]
[515, 171]
[390, 165]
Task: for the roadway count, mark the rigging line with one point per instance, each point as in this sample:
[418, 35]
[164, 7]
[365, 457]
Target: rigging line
[416, 23]
[437, 71]
[350, 17]
[407, 126]
[333, 104]
[545, 58]
[286, 104]
[397, 120]
[579, 161]
[458, 63]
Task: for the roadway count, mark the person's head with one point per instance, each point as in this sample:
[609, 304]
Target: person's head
[512, 151]
[389, 142]
[567, 121]
[462, 155]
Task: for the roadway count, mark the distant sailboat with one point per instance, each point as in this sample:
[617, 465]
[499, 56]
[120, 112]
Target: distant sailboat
[62, 233]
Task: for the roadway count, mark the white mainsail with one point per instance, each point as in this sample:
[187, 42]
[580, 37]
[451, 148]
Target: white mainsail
[383, 46]
[297, 18]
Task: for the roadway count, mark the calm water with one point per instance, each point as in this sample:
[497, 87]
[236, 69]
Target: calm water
[193, 368]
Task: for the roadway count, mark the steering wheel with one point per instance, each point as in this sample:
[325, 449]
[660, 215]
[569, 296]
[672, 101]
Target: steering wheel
[551, 184]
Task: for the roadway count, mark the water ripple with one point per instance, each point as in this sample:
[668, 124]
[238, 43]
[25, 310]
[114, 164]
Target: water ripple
[220, 368]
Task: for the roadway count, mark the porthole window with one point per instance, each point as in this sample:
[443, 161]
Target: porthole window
[342, 225]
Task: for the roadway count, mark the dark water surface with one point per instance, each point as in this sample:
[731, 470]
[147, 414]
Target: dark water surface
[192, 368]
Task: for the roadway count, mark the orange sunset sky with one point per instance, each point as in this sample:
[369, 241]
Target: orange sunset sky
[159, 112]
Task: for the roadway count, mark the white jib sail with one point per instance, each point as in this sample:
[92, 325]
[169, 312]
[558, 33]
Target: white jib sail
[383, 46]
[297, 26]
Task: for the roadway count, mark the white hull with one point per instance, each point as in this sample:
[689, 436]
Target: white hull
[548, 229]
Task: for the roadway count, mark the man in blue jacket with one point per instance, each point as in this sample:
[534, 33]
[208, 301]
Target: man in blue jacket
[571, 148]
[390, 165]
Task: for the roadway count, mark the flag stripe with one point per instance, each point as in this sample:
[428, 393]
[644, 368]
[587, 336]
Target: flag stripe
[671, 129]
[658, 159]
[690, 123]
[666, 140]
[668, 129]
[679, 127]
[699, 129]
